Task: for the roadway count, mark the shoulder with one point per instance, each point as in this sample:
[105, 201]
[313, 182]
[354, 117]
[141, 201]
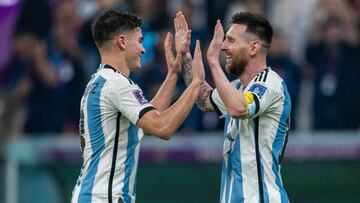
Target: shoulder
[269, 79]
[115, 79]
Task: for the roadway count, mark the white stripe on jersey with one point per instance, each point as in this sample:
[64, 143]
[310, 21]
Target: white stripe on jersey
[241, 181]
[110, 106]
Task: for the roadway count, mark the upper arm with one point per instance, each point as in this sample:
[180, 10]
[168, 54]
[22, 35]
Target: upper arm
[217, 104]
[150, 124]
[259, 98]
[130, 101]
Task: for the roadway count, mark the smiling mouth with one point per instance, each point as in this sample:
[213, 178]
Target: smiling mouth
[228, 58]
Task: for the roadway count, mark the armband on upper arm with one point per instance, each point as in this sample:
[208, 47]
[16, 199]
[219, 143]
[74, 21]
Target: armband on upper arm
[249, 97]
[251, 104]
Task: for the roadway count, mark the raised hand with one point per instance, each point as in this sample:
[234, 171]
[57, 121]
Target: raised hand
[215, 45]
[182, 34]
[197, 64]
[174, 65]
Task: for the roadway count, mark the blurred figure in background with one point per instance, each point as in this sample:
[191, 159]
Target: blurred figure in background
[335, 64]
[47, 68]
[29, 65]
[68, 59]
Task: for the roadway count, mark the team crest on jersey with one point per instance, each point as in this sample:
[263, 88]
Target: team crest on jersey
[258, 89]
[140, 97]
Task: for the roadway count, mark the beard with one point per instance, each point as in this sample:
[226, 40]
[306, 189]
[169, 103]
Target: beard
[236, 67]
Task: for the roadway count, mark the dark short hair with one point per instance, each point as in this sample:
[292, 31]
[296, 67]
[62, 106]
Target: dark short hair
[255, 24]
[111, 23]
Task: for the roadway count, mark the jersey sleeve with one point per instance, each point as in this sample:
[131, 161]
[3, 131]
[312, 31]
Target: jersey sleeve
[261, 98]
[130, 101]
[217, 103]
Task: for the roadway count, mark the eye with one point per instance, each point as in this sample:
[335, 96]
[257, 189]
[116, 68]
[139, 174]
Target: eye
[230, 39]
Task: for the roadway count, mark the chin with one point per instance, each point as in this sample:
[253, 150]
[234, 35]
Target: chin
[137, 66]
[228, 67]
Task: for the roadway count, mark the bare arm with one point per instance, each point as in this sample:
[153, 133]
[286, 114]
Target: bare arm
[163, 97]
[182, 45]
[203, 100]
[164, 124]
[234, 101]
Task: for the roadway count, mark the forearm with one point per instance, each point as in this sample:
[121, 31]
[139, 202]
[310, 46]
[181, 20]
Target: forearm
[163, 97]
[234, 100]
[202, 101]
[186, 70]
[176, 114]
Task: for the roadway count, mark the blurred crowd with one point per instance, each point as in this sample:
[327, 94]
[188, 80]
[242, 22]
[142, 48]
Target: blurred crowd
[47, 56]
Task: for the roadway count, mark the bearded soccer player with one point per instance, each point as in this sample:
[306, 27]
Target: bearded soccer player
[256, 107]
[115, 114]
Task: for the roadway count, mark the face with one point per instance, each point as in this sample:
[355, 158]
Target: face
[134, 49]
[236, 49]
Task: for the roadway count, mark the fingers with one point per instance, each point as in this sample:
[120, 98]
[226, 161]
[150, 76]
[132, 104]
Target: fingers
[176, 24]
[180, 22]
[198, 54]
[197, 65]
[219, 31]
[167, 46]
[168, 41]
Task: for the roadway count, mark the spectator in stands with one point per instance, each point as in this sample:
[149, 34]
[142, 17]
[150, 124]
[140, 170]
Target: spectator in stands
[336, 78]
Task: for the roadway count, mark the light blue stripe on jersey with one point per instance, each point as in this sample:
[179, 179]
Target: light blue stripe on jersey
[278, 143]
[133, 141]
[237, 194]
[97, 139]
[224, 171]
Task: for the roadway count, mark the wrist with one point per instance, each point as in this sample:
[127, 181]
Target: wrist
[196, 81]
[214, 63]
[172, 75]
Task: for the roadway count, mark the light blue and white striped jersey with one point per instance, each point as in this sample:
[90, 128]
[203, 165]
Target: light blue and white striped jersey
[254, 146]
[110, 108]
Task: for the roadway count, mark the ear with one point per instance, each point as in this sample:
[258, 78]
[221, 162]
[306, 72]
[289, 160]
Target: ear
[254, 48]
[121, 42]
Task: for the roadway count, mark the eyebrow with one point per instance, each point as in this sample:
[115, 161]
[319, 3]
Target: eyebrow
[229, 37]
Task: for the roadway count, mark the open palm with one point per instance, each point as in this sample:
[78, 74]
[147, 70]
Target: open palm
[182, 34]
[214, 49]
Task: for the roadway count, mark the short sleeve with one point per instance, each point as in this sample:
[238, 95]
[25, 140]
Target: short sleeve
[130, 101]
[217, 103]
[263, 97]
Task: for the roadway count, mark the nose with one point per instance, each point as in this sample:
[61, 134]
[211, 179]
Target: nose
[224, 46]
[143, 51]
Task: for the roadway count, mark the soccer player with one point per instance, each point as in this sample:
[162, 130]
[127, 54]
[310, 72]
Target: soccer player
[256, 107]
[115, 114]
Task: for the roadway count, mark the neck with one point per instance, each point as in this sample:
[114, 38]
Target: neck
[253, 68]
[116, 61]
